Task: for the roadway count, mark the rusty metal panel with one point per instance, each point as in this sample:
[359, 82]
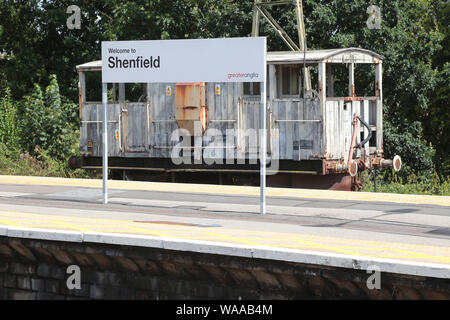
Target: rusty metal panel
[190, 105]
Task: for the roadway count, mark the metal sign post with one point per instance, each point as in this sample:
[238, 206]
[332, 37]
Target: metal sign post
[105, 141]
[263, 146]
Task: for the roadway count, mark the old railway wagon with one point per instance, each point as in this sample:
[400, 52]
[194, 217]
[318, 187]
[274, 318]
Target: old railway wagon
[323, 138]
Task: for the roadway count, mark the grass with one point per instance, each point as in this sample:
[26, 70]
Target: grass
[13, 162]
[413, 186]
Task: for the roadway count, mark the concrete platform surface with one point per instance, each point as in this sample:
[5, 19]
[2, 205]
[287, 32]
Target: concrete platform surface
[404, 233]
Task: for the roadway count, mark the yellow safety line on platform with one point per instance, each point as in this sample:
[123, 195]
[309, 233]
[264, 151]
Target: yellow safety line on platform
[230, 190]
[70, 225]
[9, 223]
[239, 236]
[247, 236]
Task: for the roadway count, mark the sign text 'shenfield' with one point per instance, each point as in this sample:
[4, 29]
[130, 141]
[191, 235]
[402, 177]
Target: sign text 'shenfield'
[139, 62]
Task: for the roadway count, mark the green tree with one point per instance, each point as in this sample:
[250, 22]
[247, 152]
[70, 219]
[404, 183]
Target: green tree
[9, 133]
[44, 123]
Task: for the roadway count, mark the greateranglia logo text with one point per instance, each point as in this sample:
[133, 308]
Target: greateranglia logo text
[243, 75]
[114, 62]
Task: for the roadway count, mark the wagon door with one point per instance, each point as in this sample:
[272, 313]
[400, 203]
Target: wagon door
[91, 129]
[135, 127]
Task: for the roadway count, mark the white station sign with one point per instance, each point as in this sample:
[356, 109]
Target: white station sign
[199, 60]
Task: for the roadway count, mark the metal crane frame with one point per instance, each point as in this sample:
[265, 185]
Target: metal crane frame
[260, 9]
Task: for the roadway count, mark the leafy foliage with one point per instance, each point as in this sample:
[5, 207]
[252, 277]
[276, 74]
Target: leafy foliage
[44, 122]
[406, 141]
[9, 135]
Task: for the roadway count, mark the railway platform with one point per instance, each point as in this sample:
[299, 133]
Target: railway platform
[400, 234]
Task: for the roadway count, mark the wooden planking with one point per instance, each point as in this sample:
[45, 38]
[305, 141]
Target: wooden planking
[221, 110]
[292, 134]
[323, 102]
[312, 130]
[379, 110]
[223, 106]
[339, 126]
[162, 124]
[356, 109]
[346, 127]
[230, 114]
[136, 127]
[282, 128]
[171, 126]
[295, 109]
[335, 115]
[154, 115]
[365, 115]
[297, 140]
[211, 112]
[329, 125]
[339, 134]
[165, 111]
[275, 134]
[335, 132]
[249, 114]
[233, 115]
[83, 130]
[92, 129]
[373, 113]
[219, 114]
[81, 91]
[252, 113]
[113, 125]
[289, 142]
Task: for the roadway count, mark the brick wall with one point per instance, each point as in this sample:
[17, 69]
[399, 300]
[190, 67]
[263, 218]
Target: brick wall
[35, 269]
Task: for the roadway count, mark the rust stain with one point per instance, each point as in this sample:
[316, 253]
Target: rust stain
[353, 99]
[90, 147]
[190, 105]
[80, 98]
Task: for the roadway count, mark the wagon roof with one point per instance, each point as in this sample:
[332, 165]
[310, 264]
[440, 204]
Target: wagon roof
[90, 66]
[345, 55]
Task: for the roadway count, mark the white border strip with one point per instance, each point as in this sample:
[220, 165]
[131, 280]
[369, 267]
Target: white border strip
[258, 252]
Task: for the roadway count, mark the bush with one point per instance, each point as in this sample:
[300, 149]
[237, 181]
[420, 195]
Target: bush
[9, 132]
[405, 139]
[39, 133]
[41, 164]
[47, 123]
[411, 186]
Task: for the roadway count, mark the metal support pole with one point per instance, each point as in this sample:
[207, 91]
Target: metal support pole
[351, 80]
[374, 180]
[263, 146]
[105, 142]
[255, 25]
[302, 42]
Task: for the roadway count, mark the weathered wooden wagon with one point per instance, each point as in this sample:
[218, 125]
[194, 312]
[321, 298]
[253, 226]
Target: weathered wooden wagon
[321, 138]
